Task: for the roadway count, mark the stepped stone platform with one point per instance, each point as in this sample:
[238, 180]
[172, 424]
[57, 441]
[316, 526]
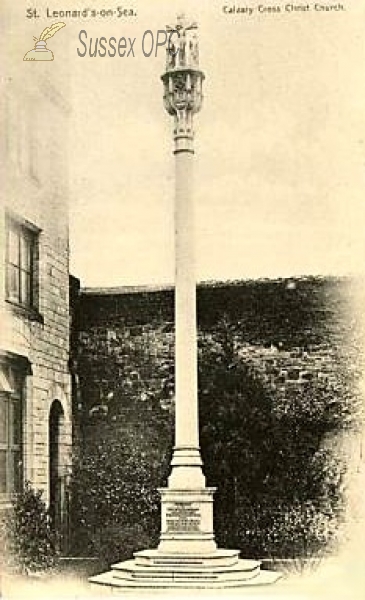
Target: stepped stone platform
[152, 569]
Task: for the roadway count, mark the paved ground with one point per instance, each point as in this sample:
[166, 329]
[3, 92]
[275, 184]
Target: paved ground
[341, 579]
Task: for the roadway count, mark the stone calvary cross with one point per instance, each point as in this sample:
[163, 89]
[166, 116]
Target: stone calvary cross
[187, 555]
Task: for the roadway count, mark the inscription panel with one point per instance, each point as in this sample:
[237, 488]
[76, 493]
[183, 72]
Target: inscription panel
[183, 517]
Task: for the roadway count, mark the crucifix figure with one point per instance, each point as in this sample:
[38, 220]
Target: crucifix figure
[184, 52]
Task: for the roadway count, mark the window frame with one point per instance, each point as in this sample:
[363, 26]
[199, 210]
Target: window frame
[25, 267]
[14, 434]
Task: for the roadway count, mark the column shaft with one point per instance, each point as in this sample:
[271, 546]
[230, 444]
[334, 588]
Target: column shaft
[186, 462]
[186, 432]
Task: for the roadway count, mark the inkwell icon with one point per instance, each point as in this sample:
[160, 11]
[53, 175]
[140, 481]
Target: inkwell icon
[40, 50]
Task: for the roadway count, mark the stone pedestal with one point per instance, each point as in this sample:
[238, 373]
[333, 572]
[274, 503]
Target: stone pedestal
[187, 521]
[187, 556]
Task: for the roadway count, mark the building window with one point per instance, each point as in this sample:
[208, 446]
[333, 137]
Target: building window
[11, 400]
[21, 263]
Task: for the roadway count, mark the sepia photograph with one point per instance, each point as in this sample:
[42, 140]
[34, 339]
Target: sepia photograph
[182, 299]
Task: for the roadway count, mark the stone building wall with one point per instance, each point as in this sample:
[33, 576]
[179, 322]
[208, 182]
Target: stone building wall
[35, 336]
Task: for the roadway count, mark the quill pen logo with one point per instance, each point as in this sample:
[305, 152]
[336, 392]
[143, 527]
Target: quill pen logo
[40, 50]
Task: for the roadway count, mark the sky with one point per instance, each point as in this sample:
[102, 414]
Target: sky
[279, 164]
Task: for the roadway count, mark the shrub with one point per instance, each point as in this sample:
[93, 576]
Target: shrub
[280, 493]
[125, 441]
[115, 503]
[29, 542]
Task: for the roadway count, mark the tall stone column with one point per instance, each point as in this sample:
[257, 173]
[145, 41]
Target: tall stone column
[187, 505]
[182, 98]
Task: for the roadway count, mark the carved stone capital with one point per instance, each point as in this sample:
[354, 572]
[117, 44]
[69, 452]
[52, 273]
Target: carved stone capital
[183, 98]
[183, 81]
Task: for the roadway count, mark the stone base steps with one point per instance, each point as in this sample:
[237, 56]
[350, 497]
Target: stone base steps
[152, 570]
[217, 558]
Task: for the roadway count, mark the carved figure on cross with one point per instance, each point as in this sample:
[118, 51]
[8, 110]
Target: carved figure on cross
[184, 52]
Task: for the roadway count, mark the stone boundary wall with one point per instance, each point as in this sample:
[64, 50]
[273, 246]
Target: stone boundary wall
[291, 331]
